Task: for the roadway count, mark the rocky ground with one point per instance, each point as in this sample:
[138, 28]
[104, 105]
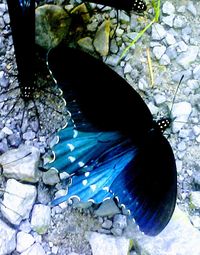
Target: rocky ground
[27, 224]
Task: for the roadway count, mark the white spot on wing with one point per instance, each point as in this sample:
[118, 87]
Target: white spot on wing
[72, 159]
[71, 146]
[75, 134]
[84, 182]
[93, 187]
[81, 164]
[87, 174]
[106, 188]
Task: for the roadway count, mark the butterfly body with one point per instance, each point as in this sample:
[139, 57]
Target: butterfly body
[126, 5]
[22, 21]
[112, 146]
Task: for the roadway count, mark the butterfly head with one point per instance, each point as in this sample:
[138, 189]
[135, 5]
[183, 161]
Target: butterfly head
[163, 124]
[139, 6]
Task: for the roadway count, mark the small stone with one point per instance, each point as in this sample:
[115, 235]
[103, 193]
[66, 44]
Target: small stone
[170, 39]
[159, 99]
[52, 24]
[6, 18]
[165, 60]
[112, 60]
[7, 131]
[24, 241]
[124, 18]
[142, 84]
[195, 221]
[107, 208]
[181, 9]
[102, 244]
[181, 46]
[128, 68]
[182, 146]
[116, 231]
[196, 130]
[120, 221]
[50, 177]
[171, 52]
[180, 21]
[191, 8]
[35, 249]
[25, 226]
[158, 32]
[101, 40]
[180, 114]
[41, 218]
[186, 58]
[7, 238]
[86, 43]
[21, 163]
[107, 224]
[29, 135]
[196, 72]
[169, 20]
[168, 8]
[159, 51]
[3, 80]
[18, 201]
[195, 199]
[2, 8]
[14, 140]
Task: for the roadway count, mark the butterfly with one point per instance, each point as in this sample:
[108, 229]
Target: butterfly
[127, 5]
[112, 147]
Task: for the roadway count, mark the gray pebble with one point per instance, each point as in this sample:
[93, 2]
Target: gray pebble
[195, 199]
[170, 39]
[29, 135]
[186, 58]
[169, 20]
[171, 52]
[196, 72]
[6, 18]
[165, 60]
[181, 146]
[50, 177]
[191, 8]
[177, 76]
[3, 81]
[180, 21]
[181, 46]
[127, 68]
[158, 32]
[124, 18]
[159, 99]
[181, 9]
[193, 84]
[14, 140]
[142, 84]
[168, 8]
[120, 221]
[2, 8]
[3, 146]
[107, 224]
[159, 51]
[107, 208]
[186, 30]
[116, 231]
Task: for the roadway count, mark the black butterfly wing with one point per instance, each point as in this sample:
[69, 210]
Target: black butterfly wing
[105, 99]
[148, 184]
[131, 160]
[22, 21]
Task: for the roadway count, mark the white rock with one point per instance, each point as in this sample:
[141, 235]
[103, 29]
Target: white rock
[159, 51]
[24, 241]
[170, 39]
[158, 31]
[18, 201]
[178, 238]
[186, 58]
[21, 163]
[102, 244]
[180, 114]
[168, 8]
[35, 249]
[169, 20]
[159, 99]
[195, 199]
[7, 131]
[107, 208]
[7, 238]
[165, 60]
[41, 218]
